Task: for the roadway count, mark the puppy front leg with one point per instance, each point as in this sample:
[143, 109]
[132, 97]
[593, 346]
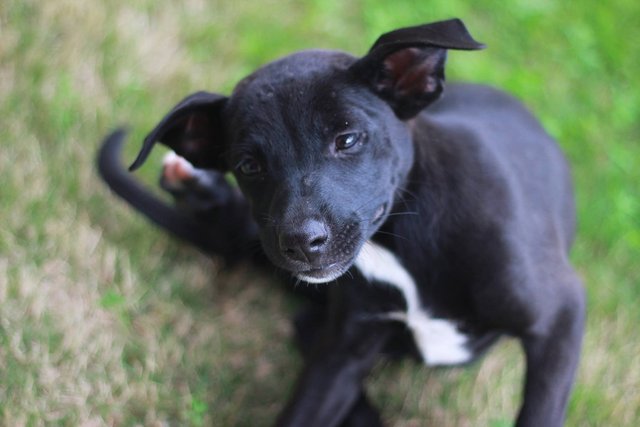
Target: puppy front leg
[552, 360]
[330, 387]
[331, 383]
[308, 325]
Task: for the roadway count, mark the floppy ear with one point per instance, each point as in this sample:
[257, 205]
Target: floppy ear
[193, 129]
[406, 67]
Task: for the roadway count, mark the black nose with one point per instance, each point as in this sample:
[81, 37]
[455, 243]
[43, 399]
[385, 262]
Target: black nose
[304, 243]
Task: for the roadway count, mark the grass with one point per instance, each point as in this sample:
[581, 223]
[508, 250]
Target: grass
[105, 321]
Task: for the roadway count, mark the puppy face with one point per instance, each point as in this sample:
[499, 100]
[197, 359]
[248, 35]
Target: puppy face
[318, 156]
[317, 141]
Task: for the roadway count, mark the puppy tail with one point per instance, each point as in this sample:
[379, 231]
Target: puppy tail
[123, 184]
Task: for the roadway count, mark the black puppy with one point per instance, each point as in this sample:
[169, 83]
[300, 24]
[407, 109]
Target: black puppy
[448, 217]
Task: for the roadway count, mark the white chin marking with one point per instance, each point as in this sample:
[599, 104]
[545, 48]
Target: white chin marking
[328, 278]
[439, 341]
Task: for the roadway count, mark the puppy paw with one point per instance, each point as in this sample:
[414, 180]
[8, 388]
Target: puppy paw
[176, 171]
[194, 190]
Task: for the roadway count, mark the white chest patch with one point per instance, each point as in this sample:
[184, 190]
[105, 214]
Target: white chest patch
[439, 341]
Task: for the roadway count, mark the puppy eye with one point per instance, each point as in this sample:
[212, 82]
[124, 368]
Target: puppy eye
[347, 140]
[249, 167]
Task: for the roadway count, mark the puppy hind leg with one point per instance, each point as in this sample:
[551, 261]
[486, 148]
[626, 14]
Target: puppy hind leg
[196, 192]
[176, 171]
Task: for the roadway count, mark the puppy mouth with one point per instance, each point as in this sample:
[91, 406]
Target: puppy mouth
[332, 271]
[324, 274]
[379, 214]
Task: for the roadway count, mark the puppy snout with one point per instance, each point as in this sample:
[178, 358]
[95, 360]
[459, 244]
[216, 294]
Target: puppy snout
[305, 243]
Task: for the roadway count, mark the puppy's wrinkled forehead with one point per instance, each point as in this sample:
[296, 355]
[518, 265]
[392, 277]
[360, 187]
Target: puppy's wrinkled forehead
[300, 67]
[282, 87]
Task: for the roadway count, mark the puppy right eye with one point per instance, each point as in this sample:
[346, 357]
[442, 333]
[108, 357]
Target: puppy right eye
[346, 141]
[249, 167]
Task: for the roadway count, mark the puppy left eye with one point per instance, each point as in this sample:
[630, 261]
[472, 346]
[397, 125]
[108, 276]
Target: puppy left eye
[349, 140]
[249, 167]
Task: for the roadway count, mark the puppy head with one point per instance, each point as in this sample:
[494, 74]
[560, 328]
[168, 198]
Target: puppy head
[318, 141]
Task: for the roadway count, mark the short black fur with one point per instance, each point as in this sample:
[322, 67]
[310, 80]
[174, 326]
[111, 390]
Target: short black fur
[331, 153]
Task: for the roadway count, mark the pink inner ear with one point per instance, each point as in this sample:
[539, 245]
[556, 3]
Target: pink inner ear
[196, 123]
[193, 146]
[197, 135]
[411, 71]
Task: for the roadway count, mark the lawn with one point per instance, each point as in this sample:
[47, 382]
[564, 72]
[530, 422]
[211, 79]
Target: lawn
[104, 320]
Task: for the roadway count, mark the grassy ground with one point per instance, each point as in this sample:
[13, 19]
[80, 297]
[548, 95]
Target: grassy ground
[105, 321]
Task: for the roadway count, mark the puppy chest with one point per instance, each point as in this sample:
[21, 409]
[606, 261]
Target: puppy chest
[438, 340]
